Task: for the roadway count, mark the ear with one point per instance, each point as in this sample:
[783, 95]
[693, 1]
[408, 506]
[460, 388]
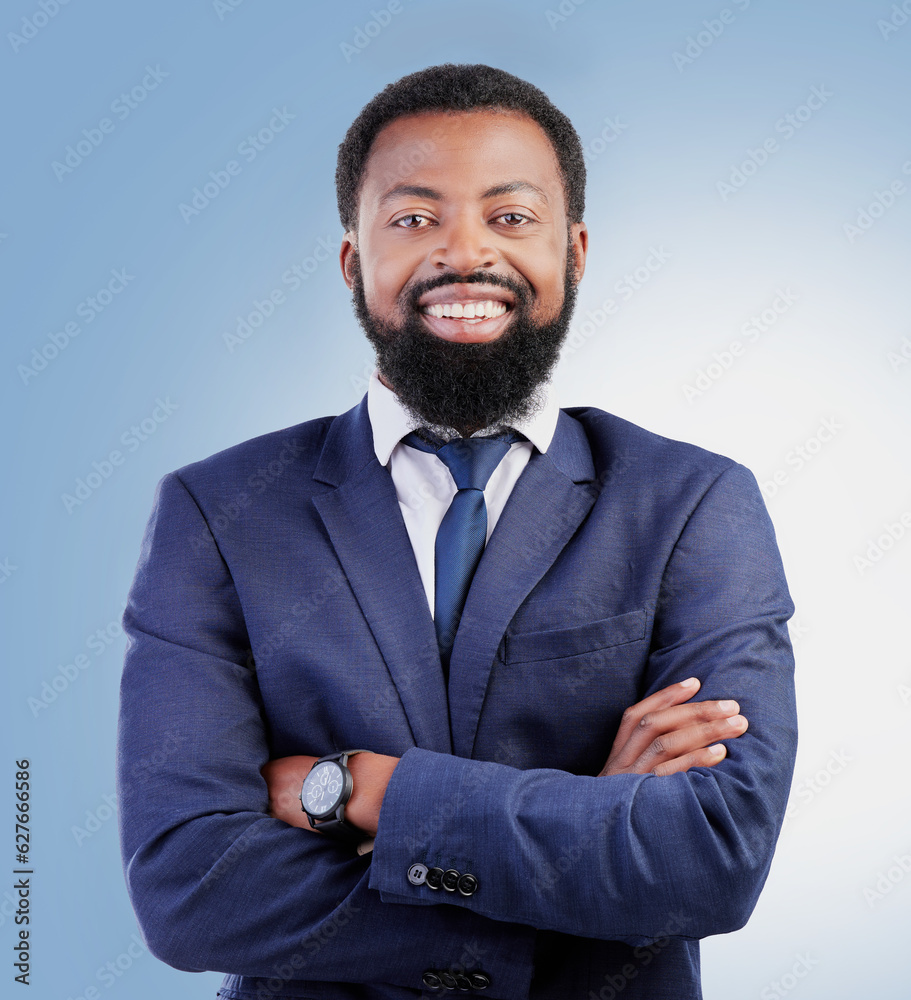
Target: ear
[345, 258]
[578, 235]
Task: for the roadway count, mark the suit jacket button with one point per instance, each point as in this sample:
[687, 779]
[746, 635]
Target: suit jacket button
[434, 878]
[451, 879]
[417, 874]
[468, 885]
[479, 980]
[463, 983]
[448, 980]
[431, 980]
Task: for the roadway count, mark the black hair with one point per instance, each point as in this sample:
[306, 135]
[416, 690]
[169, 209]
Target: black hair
[454, 88]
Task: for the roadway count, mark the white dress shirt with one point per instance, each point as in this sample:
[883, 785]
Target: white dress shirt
[424, 484]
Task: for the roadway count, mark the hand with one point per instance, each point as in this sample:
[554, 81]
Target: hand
[370, 771]
[284, 777]
[660, 735]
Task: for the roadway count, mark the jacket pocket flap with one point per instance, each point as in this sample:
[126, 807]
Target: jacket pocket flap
[558, 642]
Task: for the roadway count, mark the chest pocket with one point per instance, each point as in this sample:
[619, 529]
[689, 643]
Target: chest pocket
[554, 644]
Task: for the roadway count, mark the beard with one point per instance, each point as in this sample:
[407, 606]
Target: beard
[467, 386]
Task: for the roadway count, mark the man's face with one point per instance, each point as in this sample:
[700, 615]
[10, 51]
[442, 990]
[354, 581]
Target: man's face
[463, 265]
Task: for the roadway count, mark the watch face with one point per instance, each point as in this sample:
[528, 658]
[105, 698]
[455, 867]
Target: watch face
[322, 790]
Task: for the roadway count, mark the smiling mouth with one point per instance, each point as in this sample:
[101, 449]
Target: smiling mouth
[466, 311]
[469, 311]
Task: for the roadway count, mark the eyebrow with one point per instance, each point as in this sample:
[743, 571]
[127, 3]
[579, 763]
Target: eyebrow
[418, 191]
[514, 187]
[414, 190]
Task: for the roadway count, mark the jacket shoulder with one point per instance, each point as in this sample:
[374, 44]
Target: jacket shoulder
[627, 455]
[611, 430]
[299, 446]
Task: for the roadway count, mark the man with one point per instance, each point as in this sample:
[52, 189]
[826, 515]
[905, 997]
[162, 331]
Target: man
[545, 811]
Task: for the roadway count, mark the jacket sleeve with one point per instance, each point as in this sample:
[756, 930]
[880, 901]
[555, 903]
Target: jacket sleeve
[613, 857]
[216, 883]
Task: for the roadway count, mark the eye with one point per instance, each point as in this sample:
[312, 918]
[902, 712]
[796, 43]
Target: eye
[514, 220]
[412, 221]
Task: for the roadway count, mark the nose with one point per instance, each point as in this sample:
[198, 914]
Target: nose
[464, 246]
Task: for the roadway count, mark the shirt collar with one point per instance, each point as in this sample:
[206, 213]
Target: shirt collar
[391, 421]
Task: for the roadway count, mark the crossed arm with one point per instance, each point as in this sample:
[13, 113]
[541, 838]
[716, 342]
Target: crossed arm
[196, 837]
[661, 735]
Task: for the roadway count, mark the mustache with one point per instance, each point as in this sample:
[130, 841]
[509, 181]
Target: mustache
[521, 290]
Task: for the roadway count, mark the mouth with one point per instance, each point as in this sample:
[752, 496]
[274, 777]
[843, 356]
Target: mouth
[470, 313]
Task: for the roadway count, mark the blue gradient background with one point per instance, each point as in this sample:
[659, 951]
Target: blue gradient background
[682, 129]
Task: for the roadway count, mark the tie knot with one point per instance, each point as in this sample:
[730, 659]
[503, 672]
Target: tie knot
[470, 460]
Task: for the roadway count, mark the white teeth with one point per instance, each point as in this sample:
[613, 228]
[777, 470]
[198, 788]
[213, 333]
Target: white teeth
[466, 310]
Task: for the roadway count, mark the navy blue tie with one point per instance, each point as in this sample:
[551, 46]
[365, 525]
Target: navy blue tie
[463, 531]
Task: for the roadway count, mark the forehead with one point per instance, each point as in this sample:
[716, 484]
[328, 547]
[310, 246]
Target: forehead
[461, 152]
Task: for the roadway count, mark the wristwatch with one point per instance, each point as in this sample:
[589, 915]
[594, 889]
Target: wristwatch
[325, 793]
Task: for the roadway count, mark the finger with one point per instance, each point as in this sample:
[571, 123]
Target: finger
[684, 716]
[674, 694]
[681, 718]
[283, 777]
[670, 746]
[654, 725]
[706, 757]
[365, 846]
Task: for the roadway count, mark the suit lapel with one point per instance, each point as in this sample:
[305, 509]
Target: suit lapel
[548, 503]
[362, 516]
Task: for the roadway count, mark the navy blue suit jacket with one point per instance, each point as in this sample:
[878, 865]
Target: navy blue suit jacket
[277, 609]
